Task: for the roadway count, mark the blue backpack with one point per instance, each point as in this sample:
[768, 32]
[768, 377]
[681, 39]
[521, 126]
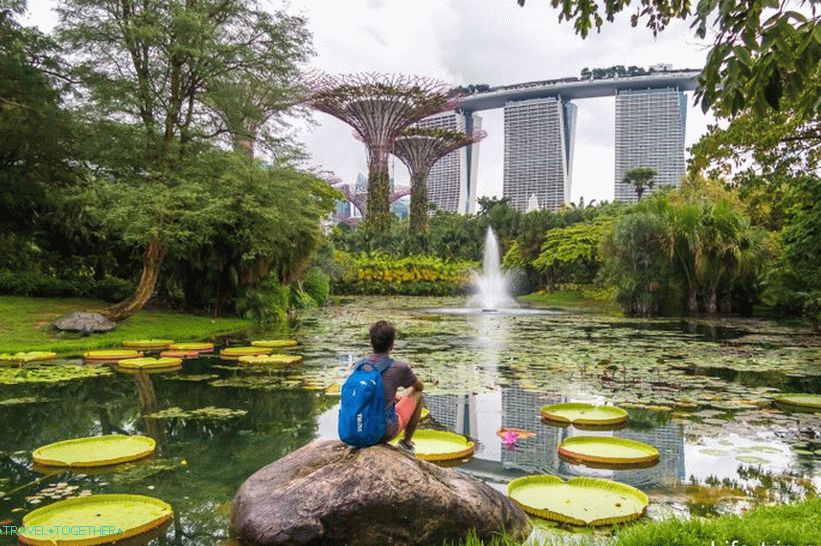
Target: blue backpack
[363, 414]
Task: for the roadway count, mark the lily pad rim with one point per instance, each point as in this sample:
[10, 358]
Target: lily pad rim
[101, 498]
[148, 450]
[565, 449]
[578, 481]
[620, 415]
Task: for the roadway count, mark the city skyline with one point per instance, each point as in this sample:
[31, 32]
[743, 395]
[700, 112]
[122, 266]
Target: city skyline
[465, 43]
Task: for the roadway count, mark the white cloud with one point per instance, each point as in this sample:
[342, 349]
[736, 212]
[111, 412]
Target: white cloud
[468, 41]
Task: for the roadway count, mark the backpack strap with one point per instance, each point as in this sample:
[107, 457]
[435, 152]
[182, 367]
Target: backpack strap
[380, 365]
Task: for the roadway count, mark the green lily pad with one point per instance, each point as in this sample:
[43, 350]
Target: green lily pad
[31, 356]
[147, 344]
[275, 343]
[192, 346]
[800, 402]
[208, 413]
[578, 501]
[270, 360]
[49, 374]
[123, 515]
[148, 363]
[112, 355]
[751, 459]
[236, 352]
[579, 413]
[608, 450]
[440, 445]
[94, 451]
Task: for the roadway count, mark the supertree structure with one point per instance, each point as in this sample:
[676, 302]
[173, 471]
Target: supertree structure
[379, 107]
[419, 148]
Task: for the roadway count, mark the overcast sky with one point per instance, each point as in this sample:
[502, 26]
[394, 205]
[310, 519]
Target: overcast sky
[475, 41]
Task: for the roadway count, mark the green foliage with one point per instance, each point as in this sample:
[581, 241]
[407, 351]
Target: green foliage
[264, 303]
[698, 238]
[32, 283]
[573, 251]
[317, 284]
[764, 52]
[638, 263]
[412, 275]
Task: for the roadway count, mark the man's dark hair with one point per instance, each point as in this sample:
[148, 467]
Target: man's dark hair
[382, 335]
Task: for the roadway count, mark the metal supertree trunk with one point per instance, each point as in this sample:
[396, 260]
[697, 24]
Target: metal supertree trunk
[379, 107]
[419, 148]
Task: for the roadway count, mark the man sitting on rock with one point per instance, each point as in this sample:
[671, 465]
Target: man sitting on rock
[407, 409]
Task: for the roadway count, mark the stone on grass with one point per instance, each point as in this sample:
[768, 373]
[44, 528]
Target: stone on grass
[82, 321]
[329, 493]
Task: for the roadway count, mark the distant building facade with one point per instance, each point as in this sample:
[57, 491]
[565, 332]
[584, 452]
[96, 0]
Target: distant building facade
[452, 180]
[650, 125]
[538, 160]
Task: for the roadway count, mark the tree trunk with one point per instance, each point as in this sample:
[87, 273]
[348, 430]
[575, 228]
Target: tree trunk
[551, 280]
[692, 302]
[710, 302]
[378, 193]
[419, 204]
[152, 261]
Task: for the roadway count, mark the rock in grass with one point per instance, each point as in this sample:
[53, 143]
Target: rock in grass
[85, 322]
[328, 493]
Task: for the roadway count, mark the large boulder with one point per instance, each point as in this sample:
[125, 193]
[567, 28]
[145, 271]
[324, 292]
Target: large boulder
[82, 321]
[329, 493]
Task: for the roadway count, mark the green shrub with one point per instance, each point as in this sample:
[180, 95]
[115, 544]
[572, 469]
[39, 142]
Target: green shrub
[113, 289]
[410, 276]
[317, 284]
[32, 283]
[265, 303]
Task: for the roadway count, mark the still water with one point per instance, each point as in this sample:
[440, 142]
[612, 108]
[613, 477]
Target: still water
[723, 445]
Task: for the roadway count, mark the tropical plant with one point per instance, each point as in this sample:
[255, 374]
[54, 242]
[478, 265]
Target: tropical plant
[572, 253]
[641, 178]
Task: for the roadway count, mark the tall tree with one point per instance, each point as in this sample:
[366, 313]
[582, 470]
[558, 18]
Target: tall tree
[763, 50]
[151, 64]
[641, 178]
[379, 108]
[420, 148]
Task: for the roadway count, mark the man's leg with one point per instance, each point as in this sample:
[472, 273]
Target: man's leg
[413, 422]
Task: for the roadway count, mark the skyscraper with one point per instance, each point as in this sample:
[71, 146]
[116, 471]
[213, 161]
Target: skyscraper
[650, 126]
[452, 180]
[539, 136]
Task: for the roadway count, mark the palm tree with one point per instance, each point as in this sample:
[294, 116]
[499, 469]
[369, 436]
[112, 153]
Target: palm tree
[641, 178]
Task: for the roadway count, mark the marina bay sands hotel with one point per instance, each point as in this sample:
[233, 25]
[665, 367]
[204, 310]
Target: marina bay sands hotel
[540, 126]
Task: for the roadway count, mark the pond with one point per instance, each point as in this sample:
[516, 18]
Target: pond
[723, 445]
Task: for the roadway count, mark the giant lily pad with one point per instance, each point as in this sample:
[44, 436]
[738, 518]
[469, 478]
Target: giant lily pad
[114, 517]
[31, 356]
[208, 413]
[578, 413]
[800, 402]
[147, 363]
[179, 354]
[49, 374]
[200, 347]
[147, 344]
[111, 355]
[440, 445]
[275, 343]
[233, 353]
[606, 450]
[268, 360]
[94, 451]
[578, 501]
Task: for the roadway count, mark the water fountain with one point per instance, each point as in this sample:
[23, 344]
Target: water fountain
[491, 284]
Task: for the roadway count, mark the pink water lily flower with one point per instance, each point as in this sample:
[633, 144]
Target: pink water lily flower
[510, 438]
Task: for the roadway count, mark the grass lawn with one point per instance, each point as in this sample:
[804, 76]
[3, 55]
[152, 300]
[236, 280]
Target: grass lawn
[779, 525]
[571, 299]
[25, 325]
